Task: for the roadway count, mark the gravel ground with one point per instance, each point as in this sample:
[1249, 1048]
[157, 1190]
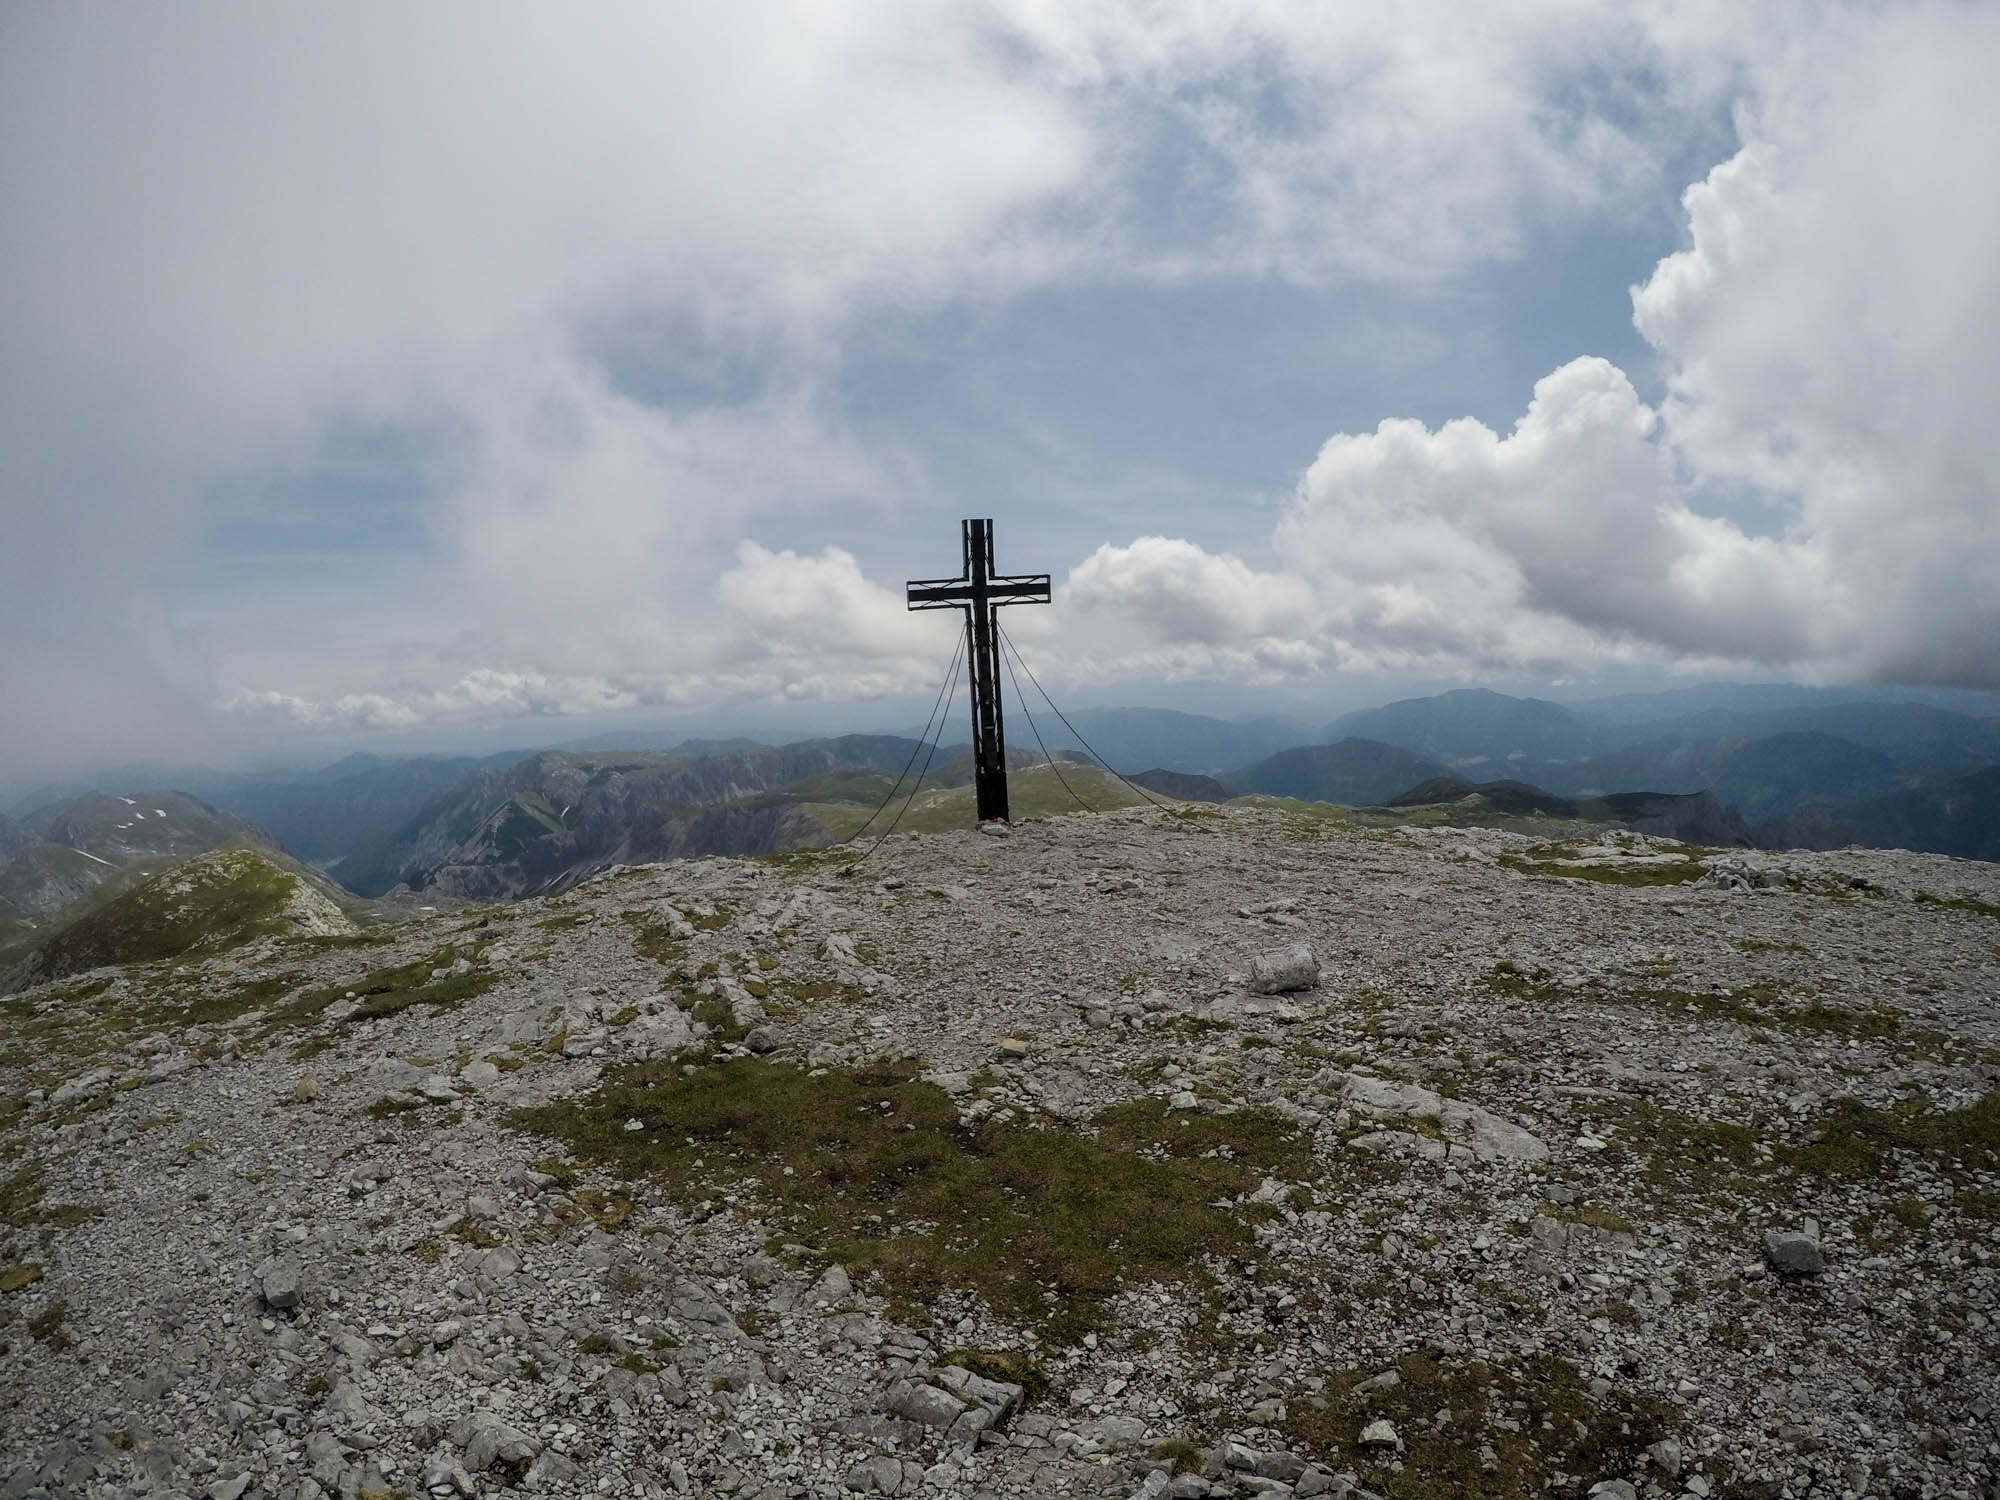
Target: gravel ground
[1612, 1168]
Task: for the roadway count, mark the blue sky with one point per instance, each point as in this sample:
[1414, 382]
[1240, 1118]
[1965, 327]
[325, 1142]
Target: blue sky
[388, 375]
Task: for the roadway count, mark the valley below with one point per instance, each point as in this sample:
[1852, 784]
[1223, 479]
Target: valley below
[1260, 1149]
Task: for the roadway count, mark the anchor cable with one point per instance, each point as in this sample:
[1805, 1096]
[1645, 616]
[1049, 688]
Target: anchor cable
[951, 694]
[1009, 640]
[950, 672]
[1022, 698]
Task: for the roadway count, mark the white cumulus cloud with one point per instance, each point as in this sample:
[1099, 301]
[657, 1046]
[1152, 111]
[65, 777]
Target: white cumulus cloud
[1820, 489]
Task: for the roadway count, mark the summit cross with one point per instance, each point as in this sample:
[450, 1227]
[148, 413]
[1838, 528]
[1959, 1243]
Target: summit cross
[979, 592]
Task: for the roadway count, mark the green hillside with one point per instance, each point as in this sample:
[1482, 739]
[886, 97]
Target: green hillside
[1032, 791]
[212, 903]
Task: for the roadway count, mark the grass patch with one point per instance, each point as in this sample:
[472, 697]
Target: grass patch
[51, 1326]
[1678, 1156]
[805, 861]
[392, 989]
[1618, 872]
[1878, 1024]
[1856, 1140]
[1048, 1225]
[1596, 1218]
[330, 942]
[1538, 1417]
[21, 1203]
[1970, 904]
[15, 1277]
[1008, 1366]
[652, 940]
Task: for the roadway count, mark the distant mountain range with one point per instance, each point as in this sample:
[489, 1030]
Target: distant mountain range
[1136, 739]
[1778, 766]
[1818, 769]
[1359, 772]
[554, 818]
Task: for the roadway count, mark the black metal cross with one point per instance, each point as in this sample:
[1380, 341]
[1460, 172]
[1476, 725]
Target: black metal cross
[978, 592]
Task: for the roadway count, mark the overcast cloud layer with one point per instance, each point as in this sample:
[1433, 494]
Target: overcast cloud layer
[379, 366]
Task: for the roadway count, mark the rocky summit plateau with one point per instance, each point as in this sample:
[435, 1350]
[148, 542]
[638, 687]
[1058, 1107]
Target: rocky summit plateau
[1191, 1151]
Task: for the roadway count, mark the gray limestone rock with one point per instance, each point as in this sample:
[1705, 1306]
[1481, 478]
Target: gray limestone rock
[348, 1409]
[550, 1470]
[479, 1075]
[487, 1441]
[1380, 1433]
[833, 1289]
[1666, 1456]
[1282, 1466]
[281, 1280]
[1283, 970]
[327, 1462]
[1791, 1253]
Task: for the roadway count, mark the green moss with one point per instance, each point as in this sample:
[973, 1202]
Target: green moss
[1537, 1416]
[15, 1277]
[1047, 1224]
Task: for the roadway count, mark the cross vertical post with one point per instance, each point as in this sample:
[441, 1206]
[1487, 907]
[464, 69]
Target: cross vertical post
[979, 592]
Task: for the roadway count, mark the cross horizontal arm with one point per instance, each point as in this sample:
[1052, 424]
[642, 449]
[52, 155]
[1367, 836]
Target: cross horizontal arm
[949, 593]
[1028, 588]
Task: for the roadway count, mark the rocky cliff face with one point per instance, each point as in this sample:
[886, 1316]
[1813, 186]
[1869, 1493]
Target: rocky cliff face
[1186, 1152]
